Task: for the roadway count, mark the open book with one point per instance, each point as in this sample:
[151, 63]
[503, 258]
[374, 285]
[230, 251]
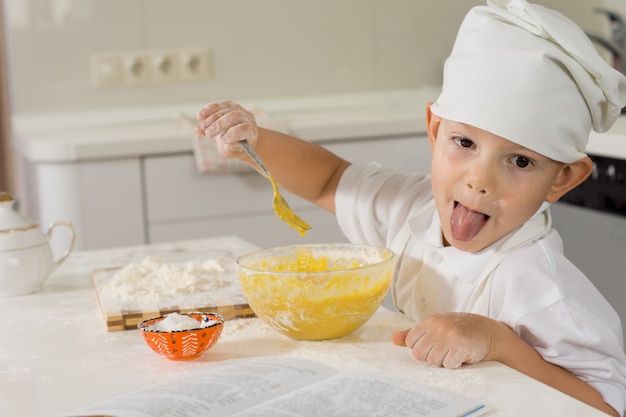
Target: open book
[285, 387]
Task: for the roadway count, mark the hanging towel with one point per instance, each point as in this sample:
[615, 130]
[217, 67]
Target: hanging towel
[207, 157]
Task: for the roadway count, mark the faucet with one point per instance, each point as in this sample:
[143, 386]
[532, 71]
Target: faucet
[617, 44]
[618, 29]
[616, 52]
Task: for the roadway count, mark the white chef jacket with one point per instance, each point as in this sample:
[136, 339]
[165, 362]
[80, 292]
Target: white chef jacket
[533, 288]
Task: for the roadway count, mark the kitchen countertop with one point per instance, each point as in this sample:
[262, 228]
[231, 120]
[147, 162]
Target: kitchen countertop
[79, 136]
[56, 354]
[612, 143]
[91, 135]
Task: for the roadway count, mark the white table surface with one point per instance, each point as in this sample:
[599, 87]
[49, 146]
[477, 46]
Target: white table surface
[56, 354]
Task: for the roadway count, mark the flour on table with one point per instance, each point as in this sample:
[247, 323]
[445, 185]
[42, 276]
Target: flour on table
[154, 282]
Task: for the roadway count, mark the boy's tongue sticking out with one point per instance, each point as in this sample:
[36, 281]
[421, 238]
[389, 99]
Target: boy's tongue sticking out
[466, 223]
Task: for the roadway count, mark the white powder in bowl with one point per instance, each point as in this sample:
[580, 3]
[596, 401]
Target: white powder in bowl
[175, 321]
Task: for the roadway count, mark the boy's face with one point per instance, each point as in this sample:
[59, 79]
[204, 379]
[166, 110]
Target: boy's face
[486, 186]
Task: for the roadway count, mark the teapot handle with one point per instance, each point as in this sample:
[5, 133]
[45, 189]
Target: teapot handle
[69, 249]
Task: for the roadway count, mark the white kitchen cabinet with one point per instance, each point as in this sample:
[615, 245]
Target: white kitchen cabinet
[102, 199]
[182, 203]
[595, 241]
[127, 177]
[161, 198]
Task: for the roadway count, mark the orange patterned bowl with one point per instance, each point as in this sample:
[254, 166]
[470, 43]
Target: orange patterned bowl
[179, 340]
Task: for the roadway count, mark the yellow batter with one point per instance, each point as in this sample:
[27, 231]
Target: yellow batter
[311, 297]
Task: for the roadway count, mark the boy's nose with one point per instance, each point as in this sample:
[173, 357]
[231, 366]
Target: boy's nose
[480, 178]
[480, 190]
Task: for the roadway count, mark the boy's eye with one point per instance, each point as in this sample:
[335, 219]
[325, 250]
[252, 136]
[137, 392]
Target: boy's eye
[521, 161]
[464, 142]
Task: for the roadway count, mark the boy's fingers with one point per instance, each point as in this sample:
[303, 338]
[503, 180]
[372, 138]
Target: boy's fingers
[398, 338]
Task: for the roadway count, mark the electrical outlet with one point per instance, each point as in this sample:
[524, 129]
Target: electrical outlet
[195, 64]
[147, 67]
[135, 68]
[165, 66]
[106, 70]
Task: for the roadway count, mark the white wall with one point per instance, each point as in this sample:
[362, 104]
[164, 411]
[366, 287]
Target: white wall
[259, 47]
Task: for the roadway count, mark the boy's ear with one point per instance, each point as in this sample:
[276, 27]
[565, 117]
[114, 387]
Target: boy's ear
[570, 176]
[432, 125]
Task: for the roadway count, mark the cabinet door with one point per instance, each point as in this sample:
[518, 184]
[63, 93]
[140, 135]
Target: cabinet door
[403, 154]
[264, 230]
[596, 243]
[182, 203]
[102, 199]
[176, 191]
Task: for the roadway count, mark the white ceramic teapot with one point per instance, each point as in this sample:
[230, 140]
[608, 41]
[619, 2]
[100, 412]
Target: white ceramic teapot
[26, 259]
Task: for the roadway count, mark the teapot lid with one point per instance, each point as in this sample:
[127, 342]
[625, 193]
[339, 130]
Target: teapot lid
[10, 220]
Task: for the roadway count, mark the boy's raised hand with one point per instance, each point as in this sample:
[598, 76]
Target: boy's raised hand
[228, 123]
[449, 340]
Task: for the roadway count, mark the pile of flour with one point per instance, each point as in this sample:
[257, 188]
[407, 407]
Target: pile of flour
[154, 282]
[176, 322]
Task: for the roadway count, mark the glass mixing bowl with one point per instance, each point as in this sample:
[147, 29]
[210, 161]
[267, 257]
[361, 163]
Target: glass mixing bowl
[316, 291]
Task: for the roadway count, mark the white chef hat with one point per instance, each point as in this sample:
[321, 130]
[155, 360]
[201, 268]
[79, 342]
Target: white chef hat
[529, 74]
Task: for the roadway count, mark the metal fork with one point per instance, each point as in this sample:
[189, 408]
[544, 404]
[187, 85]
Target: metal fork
[281, 208]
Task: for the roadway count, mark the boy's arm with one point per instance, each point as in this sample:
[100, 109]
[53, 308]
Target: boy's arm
[303, 168]
[453, 339]
[513, 351]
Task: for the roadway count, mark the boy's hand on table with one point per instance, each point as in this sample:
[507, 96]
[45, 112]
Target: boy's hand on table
[228, 123]
[453, 339]
[449, 340]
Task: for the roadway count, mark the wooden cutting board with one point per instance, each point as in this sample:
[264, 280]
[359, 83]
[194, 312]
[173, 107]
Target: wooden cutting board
[123, 311]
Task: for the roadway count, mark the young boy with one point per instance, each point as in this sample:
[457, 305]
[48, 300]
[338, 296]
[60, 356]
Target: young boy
[480, 270]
